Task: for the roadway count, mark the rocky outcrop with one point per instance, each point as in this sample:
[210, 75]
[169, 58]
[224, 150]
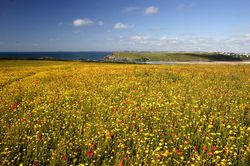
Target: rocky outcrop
[112, 58]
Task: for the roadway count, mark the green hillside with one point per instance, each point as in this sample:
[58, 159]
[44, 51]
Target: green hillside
[167, 56]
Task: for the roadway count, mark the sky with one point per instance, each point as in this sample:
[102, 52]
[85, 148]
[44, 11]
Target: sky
[119, 25]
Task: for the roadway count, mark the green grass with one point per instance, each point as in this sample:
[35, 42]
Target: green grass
[166, 56]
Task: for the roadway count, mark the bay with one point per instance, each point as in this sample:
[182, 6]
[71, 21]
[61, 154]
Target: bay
[91, 55]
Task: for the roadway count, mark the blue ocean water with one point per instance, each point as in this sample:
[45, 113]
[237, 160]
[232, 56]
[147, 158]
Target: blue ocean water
[58, 55]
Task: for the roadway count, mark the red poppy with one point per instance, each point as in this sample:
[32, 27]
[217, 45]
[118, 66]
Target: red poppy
[209, 153]
[24, 120]
[121, 162]
[178, 152]
[91, 145]
[134, 125]
[14, 106]
[136, 91]
[39, 136]
[111, 136]
[64, 157]
[214, 148]
[205, 148]
[37, 82]
[90, 153]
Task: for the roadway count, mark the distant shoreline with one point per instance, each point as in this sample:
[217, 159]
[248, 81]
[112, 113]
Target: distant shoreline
[145, 63]
[167, 58]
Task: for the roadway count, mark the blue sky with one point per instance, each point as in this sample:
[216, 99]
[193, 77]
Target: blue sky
[111, 25]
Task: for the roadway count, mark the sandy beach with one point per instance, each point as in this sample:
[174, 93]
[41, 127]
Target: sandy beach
[199, 62]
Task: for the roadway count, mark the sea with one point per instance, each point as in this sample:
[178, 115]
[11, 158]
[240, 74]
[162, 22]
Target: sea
[91, 55]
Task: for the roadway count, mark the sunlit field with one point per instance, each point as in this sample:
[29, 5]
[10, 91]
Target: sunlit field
[73, 113]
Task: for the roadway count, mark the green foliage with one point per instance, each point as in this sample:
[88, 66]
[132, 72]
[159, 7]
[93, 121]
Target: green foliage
[176, 56]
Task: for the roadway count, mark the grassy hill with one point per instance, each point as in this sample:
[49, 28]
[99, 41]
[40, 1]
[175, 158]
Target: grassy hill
[166, 56]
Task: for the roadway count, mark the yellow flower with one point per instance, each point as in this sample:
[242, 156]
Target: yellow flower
[210, 126]
[166, 153]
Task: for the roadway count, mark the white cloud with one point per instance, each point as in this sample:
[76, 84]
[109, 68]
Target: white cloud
[182, 42]
[236, 43]
[170, 40]
[246, 37]
[189, 43]
[82, 22]
[243, 37]
[240, 38]
[130, 9]
[140, 39]
[120, 26]
[151, 10]
[100, 23]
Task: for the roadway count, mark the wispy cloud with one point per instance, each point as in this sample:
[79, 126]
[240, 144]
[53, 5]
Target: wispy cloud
[189, 43]
[235, 43]
[158, 29]
[130, 9]
[77, 31]
[82, 22]
[86, 22]
[183, 42]
[140, 39]
[240, 38]
[120, 26]
[170, 40]
[151, 10]
[182, 6]
[100, 23]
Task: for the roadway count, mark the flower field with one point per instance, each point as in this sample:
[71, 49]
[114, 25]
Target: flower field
[74, 113]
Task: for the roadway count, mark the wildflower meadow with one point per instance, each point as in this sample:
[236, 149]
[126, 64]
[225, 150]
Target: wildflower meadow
[76, 113]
